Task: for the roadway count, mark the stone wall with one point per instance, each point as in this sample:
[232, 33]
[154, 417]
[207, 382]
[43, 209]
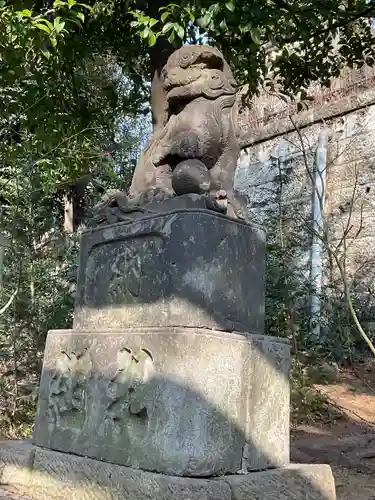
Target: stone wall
[277, 164]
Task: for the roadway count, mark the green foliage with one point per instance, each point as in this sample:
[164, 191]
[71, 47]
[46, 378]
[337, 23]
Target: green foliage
[288, 293]
[72, 75]
[49, 114]
[340, 340]
[23, 33]
[308, 405]
[37, 273]
[288, 286]
[63, 118]
[272, 44]
[310, 40]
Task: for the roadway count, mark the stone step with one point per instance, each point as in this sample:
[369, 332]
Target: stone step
[41, 474]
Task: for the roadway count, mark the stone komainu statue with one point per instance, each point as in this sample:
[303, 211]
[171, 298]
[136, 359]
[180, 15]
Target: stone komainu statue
[195, 150]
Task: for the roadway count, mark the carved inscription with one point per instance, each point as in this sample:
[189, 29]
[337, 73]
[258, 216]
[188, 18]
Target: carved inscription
[126, 270]
[128, 388]
[126, 274]
[68, 389]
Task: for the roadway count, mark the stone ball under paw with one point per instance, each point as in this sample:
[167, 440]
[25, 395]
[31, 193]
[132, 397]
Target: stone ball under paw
[190, 176]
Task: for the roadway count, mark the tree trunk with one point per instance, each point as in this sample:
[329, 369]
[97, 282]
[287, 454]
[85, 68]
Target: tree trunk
[158, 57]
[68, 214]
[159, 54]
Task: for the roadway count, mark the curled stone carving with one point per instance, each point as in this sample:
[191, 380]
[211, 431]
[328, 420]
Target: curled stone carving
[126, 389]
[194, 153]
[68, 390]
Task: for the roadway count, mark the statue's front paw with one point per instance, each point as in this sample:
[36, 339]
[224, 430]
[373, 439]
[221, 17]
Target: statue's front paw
[217, 201]
[154, 195]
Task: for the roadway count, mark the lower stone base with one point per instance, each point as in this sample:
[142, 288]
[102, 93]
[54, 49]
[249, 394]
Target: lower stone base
[178, 401]
[42, 474]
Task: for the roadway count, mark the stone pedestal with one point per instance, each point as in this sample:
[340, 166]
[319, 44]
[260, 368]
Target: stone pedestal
[180, 401]
[153, 376]
[188, 268]
[166, 369]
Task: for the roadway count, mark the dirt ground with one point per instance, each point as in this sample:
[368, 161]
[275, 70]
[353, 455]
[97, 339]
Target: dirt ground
[345, 440]
[346, 443]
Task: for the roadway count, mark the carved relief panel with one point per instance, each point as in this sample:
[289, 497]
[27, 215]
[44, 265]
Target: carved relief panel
[126, 274]
[76, 390]
[120, 273]
[127, 390]
[68, 389]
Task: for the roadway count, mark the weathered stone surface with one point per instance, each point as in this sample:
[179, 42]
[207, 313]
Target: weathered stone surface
[310, 482]
[186, 268]
[16, 459]
[270, 175]
[63, 476]
[177, 401]
[282, 126]
[194, 122]
[190, 176]
[9, 494]
[49, 474]
[76, 478]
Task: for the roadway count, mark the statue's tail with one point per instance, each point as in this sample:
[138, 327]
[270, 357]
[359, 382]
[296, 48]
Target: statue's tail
[222, 174]
[223, 171]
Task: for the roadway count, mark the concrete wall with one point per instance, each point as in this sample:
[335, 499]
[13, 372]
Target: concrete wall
[277, 165]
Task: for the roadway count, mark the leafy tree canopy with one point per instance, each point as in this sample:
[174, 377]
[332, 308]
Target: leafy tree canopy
[71, 75]
[63, 63]
[273, 42]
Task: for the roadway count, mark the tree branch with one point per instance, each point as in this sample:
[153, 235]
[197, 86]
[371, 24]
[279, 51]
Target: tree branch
[9, 303]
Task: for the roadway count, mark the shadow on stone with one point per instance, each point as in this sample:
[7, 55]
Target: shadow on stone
[42, 473]
[178, 401]
[165, 388]
[188, 268]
